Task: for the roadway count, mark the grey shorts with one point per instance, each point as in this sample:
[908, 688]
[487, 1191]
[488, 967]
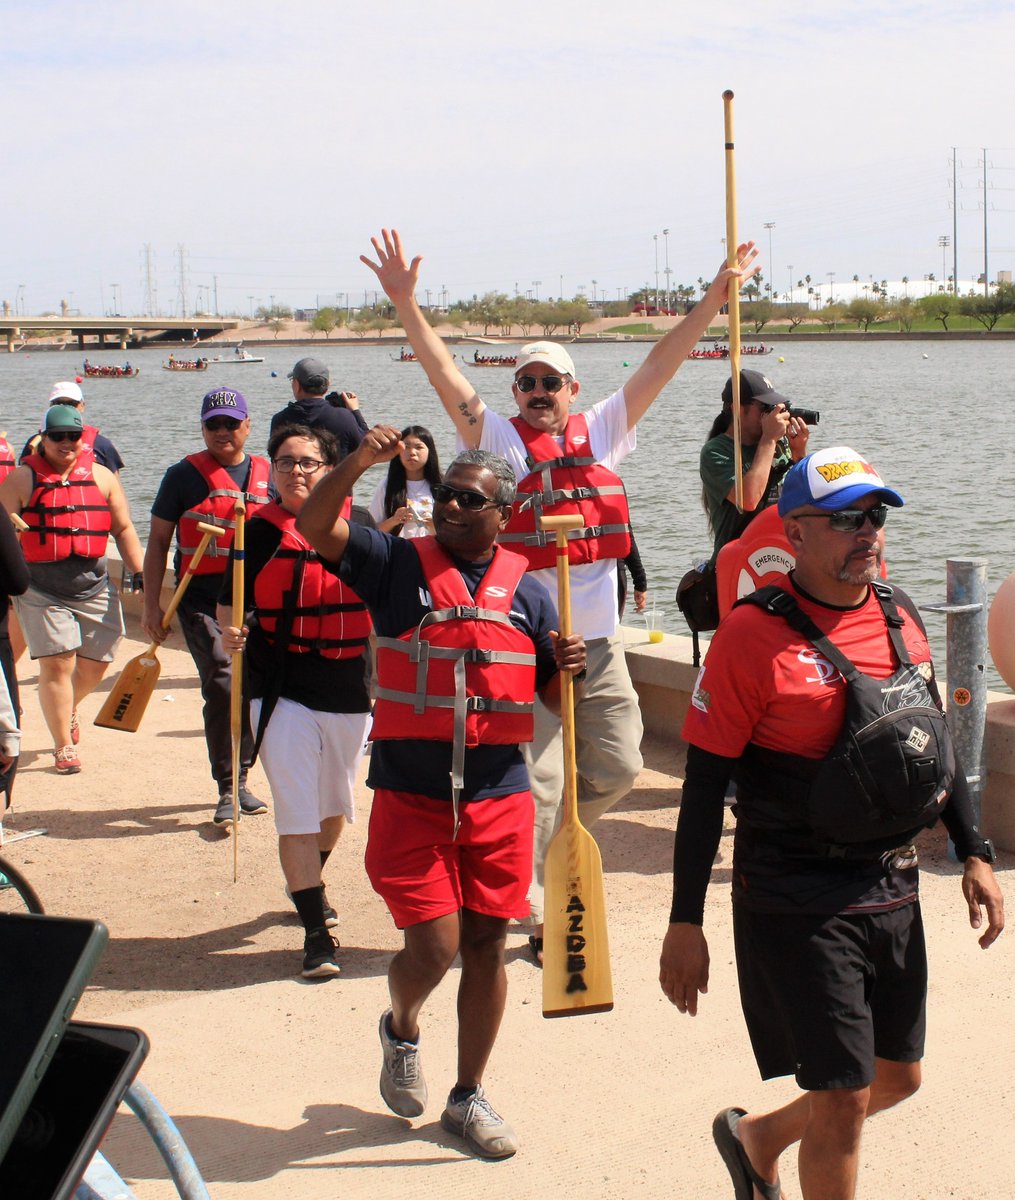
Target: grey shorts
[55, 625]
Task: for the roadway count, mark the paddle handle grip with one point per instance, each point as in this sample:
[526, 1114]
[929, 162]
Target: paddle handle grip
[560, 526]
[19, 522]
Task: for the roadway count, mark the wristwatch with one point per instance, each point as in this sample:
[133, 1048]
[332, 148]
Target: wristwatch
[985, 850]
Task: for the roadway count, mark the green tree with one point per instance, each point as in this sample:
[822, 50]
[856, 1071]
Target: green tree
[830, 315]
[904, 311]
[758, 314]
[326, 320]
[795, 314]
[863, 312]
[548, 316]
[939, 306]
[988, 310]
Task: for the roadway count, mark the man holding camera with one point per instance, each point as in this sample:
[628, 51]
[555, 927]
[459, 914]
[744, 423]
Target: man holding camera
[772, 439]
[311, 406]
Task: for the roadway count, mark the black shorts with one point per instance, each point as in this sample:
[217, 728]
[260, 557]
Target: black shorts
[823, 996]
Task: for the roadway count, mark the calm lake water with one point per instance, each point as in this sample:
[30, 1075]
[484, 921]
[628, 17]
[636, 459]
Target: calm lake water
[932, 417]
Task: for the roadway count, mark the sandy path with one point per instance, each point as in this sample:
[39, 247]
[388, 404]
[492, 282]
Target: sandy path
[274, 1081]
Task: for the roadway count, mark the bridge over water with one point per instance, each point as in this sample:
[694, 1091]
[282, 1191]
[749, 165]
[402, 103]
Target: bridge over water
[118, 331]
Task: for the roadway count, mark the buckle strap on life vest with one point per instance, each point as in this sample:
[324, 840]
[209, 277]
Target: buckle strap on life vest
[539, 500]
[565, 460]
[545, 537]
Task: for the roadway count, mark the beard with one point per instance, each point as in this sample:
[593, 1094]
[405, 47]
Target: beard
[857, 573]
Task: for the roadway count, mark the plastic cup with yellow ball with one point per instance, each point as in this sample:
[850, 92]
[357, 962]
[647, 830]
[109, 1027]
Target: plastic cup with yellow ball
[655, 636]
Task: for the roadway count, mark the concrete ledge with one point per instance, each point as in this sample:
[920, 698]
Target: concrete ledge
[664, 679]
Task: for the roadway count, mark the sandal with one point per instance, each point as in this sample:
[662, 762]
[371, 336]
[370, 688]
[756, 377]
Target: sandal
[536, 950]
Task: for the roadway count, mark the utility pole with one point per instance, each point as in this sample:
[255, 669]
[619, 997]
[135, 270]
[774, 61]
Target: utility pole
[215, 280]
[655, 240]
[986, 276]
[770, 225]
[944, 241]
[535, 288]
[182, 292]
[150, 297]
[955, 226]
[790, 269]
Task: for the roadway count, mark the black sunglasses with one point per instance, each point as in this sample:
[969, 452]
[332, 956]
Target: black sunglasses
[851, 520]
[551, 383]
[217, 423]
[471, 500]
[65, 435]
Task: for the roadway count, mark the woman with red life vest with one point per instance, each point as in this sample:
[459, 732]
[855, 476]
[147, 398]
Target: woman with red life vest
[71, 614]
[450, 843]
[308, 665]
[205, 487]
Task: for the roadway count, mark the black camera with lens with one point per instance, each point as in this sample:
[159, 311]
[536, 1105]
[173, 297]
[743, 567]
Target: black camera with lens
[809, 416]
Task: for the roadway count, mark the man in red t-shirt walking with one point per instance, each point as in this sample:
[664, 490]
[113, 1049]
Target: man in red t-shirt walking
[824, 880]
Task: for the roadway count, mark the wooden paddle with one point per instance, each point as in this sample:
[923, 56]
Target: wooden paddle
[128, 698]
[733, 305]
[576, 952]
[236, 684]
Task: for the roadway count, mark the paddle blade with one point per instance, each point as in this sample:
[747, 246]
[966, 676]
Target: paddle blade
[128, 698]
[576, 952]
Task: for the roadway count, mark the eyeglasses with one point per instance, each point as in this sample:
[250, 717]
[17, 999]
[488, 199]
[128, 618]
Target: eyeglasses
[551, 383]
[219, 423]
[471, 500]
[851, 520]
[66, 435]
[286, 466]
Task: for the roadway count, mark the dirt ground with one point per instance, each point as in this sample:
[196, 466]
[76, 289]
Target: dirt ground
[273, 1080]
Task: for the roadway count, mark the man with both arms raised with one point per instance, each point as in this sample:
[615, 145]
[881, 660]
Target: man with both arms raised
[565, 462]
[826, 918]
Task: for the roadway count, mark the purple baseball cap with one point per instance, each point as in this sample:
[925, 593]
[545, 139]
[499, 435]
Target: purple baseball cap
[224, 402]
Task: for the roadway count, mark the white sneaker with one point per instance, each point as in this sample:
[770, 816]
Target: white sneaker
[403, 1088]
[483, 1128]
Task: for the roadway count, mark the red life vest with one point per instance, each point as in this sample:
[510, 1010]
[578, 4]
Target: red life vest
[328, 618]
[7, 460]
[88, 435]
[562, 482]
[65, 516]
[465, 674]
[217, 508]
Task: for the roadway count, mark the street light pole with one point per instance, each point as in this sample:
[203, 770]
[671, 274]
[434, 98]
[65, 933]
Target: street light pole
[666, 271]
[116, 302]
[535, 288]
[831, 282]
[944, 241]
[790, 269]
[655, 239]
[770, 225]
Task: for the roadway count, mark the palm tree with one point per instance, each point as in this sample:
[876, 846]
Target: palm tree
[856, 287]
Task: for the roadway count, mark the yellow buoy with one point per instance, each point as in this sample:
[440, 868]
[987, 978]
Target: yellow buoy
[1001, 631]
[781, 359]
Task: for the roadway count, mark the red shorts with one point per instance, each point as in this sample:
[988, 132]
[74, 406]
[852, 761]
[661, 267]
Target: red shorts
[421, 873]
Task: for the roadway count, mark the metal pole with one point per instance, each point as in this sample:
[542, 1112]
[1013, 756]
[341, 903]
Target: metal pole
[966, 608]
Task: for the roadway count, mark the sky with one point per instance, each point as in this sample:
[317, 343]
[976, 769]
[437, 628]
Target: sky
[542, 147]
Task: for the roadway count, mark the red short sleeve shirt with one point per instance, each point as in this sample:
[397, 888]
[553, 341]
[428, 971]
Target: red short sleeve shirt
[763, 682]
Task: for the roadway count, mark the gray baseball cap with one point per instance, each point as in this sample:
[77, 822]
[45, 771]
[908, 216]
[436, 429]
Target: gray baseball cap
[311, 374]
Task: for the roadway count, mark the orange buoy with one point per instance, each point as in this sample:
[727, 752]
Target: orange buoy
[1001, 630]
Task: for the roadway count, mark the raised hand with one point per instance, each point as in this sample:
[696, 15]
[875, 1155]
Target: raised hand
[397, 277]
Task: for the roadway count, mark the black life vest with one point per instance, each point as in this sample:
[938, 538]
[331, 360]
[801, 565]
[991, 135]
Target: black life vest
[890, 771]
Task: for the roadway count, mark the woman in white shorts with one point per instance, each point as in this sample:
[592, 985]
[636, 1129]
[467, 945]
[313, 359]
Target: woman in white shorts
[306, 645]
